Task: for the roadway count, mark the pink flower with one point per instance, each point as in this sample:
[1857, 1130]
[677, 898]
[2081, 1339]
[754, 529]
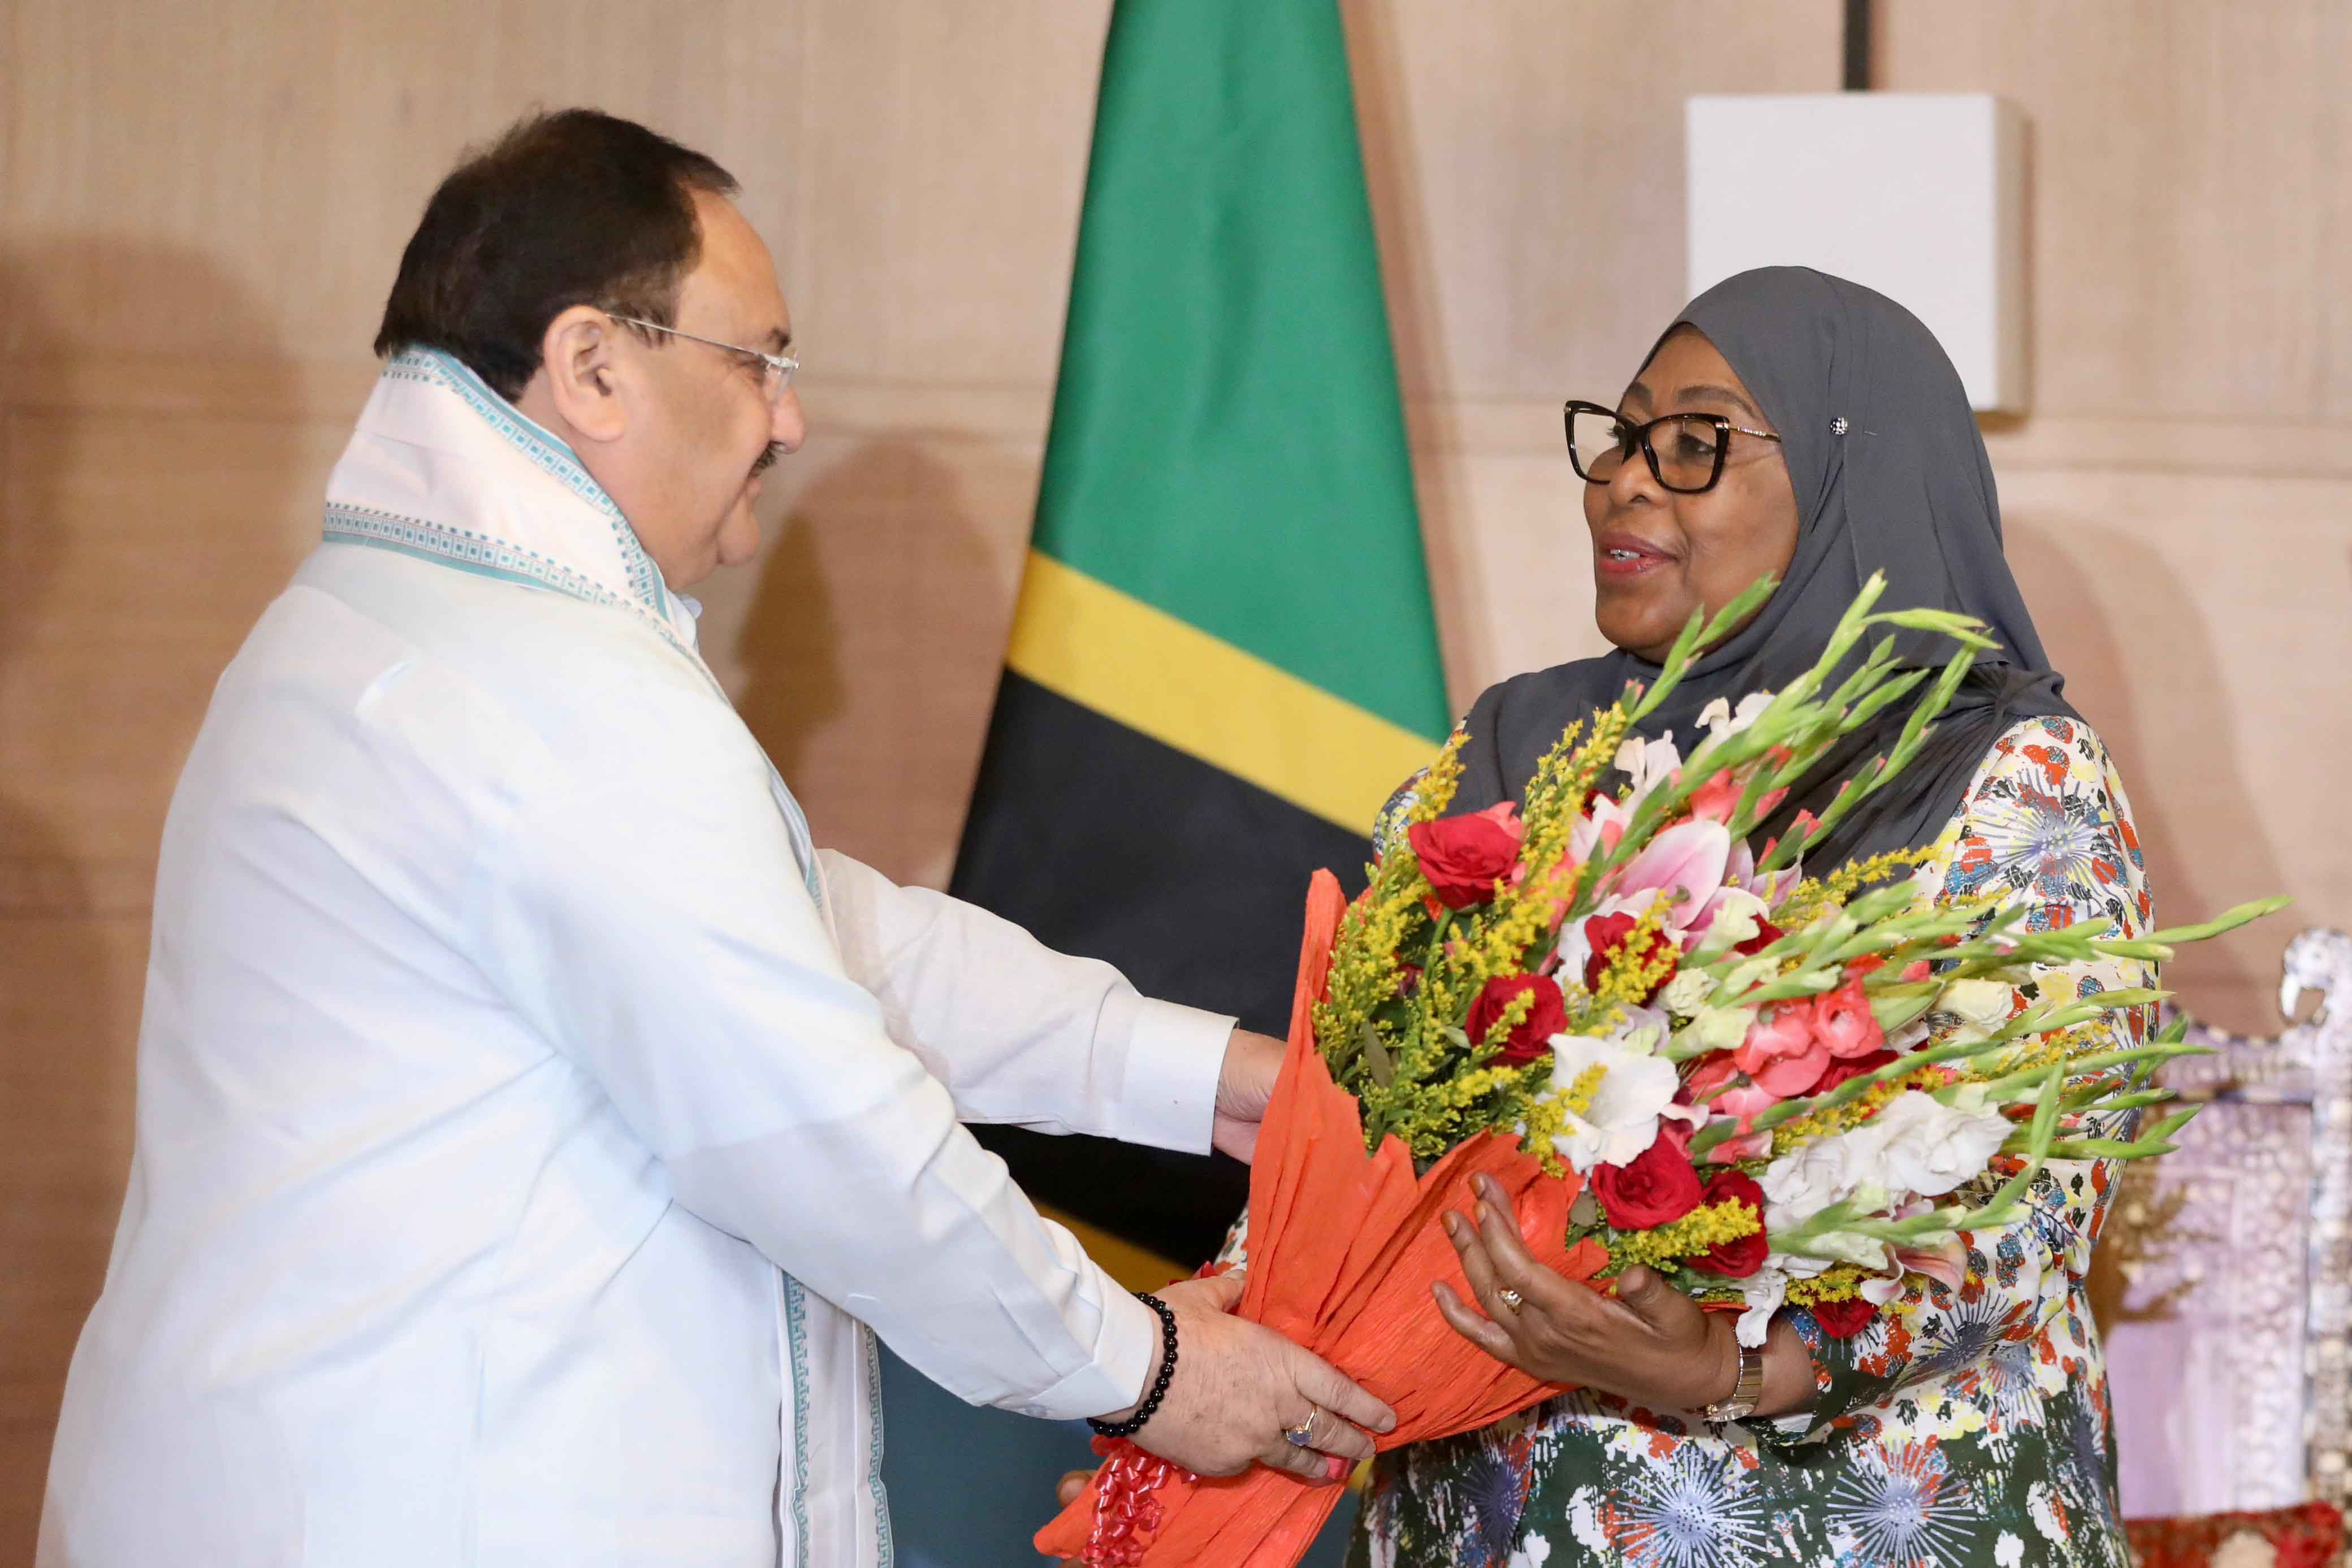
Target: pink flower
[1730, 1098]
[1843, 1022]
[1791, 1076]
[1716, 800]
[1747, 1102]
[1714, 1071]
[1782, 1054]
[1687, 861]
[1748, 1146]
[1601, 828]
[1946, 1264]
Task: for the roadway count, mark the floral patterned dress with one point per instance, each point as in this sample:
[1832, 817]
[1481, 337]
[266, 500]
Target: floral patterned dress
[1966, 1426]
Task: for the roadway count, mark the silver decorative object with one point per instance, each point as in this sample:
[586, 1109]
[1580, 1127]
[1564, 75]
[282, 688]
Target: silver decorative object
[1838, 426]
[2228, 1350]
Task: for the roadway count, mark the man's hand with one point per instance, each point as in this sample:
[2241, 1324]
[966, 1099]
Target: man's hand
[1238, 1386]
[1245, 1086]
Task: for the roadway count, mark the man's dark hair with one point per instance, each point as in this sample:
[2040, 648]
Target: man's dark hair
[572, 208]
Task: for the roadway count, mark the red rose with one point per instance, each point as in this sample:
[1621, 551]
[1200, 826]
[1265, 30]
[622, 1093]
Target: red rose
[1654, 1188]
[1604, 934]
[1844, 1319]
[1463, 857]
[1839, 1071]
[1736, 1259]
[1532, 1037]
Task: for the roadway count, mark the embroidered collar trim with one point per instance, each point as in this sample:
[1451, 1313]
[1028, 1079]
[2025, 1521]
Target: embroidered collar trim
[374, 501]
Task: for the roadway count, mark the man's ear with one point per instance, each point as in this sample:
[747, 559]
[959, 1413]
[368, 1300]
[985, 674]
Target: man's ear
[580, 358]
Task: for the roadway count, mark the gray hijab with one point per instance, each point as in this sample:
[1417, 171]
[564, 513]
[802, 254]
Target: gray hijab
[1890, 475]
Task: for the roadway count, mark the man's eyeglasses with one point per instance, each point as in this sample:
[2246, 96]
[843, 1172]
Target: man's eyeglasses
[775, 369]
[1684, 451]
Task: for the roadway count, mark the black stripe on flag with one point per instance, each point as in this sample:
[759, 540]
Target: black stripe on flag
[1103, 841]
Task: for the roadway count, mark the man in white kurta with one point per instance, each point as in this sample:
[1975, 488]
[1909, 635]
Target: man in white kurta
[533, 1129]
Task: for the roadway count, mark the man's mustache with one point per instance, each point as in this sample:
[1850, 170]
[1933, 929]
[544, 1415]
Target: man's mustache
[774, 449]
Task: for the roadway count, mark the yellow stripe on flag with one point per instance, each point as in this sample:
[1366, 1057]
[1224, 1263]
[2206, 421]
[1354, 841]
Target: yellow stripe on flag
[1112, 652]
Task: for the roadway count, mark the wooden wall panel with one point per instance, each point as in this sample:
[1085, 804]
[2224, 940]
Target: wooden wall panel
[1526, 162]
[2187, 215]
[946, 156]
[2181, 498]
[863, 646]
[2215, 677]
[69, 987]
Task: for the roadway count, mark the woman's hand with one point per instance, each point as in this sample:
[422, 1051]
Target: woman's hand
[1651, 1344]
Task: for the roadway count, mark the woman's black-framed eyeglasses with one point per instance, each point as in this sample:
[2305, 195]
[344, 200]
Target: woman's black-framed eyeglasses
[1685, 451]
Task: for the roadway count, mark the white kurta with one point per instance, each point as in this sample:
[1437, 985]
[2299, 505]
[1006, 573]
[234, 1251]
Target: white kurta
[526, 1120]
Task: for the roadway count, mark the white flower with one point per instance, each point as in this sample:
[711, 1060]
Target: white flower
[1622, 1119]
[1766, 1289]
[1807, 1180]
[1763, 1291]
[1881, 1288]
[1721, 719]
[1918, 1145]
[1733, 919]
[1984, 1003]
[1849, 1247]
[2009, 1551]
[1717, 1029]
[1648, 763]
[1687, 992]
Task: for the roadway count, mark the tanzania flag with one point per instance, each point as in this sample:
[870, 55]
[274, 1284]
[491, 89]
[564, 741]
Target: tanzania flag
[1224, 660]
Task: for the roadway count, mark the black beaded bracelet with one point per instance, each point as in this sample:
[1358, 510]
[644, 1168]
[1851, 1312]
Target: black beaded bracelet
[1150, 1405]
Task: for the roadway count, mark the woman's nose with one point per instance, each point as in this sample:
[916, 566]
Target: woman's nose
[1633, 481]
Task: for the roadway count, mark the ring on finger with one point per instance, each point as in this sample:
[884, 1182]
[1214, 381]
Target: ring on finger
[1512, 1300]
[1303, 1434]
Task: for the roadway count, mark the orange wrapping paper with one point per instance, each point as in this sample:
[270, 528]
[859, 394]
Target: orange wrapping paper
[1343, 1247]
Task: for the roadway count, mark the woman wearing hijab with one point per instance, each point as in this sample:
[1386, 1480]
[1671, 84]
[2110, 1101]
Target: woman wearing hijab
[1795, 424]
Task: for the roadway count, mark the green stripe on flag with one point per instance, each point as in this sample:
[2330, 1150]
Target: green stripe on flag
[1228, 444]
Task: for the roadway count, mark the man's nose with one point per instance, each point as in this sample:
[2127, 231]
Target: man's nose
[787, 425]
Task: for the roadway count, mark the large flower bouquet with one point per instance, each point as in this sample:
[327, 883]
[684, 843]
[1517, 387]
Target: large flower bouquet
[1670, 1049]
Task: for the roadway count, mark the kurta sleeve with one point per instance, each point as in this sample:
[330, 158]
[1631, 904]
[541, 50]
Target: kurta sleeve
[2046, 821]
[1018, 1032]
[647, 914]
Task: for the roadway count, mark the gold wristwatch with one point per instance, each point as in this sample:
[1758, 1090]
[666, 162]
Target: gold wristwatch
[1744, 1392]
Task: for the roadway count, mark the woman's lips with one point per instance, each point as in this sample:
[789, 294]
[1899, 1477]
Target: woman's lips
[1623, 555]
